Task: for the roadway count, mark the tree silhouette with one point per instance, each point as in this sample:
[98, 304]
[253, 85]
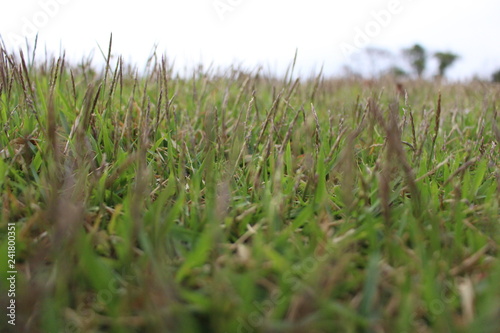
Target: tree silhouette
[446, 59]
[376, 57]
[496, 76]
[417, 56]
[397, 72]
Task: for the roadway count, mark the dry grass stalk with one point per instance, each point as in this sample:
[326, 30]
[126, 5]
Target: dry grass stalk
[437, 121]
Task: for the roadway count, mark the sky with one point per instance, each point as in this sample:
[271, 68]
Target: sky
[251, 33]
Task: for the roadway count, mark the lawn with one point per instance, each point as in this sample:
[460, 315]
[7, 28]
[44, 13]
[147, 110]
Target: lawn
[232, 201]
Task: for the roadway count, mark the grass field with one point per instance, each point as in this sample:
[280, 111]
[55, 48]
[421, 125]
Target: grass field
[237, 202]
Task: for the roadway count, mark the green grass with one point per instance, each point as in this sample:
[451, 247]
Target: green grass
[237, 202]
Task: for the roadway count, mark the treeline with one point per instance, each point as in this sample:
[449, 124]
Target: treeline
[412, 62]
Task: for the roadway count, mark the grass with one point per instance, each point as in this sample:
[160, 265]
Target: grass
[237, 202]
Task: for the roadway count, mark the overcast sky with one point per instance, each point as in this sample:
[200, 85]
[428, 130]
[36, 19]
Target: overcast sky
[251, 32]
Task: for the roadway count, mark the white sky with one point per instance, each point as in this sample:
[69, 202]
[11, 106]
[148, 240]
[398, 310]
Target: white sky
[251, 32]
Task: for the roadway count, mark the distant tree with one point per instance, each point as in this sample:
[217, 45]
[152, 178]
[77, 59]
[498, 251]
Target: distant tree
[350, 72]
[496, 76]
[446, 59]
[376, 57]
[397, 72]
[417, 56]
